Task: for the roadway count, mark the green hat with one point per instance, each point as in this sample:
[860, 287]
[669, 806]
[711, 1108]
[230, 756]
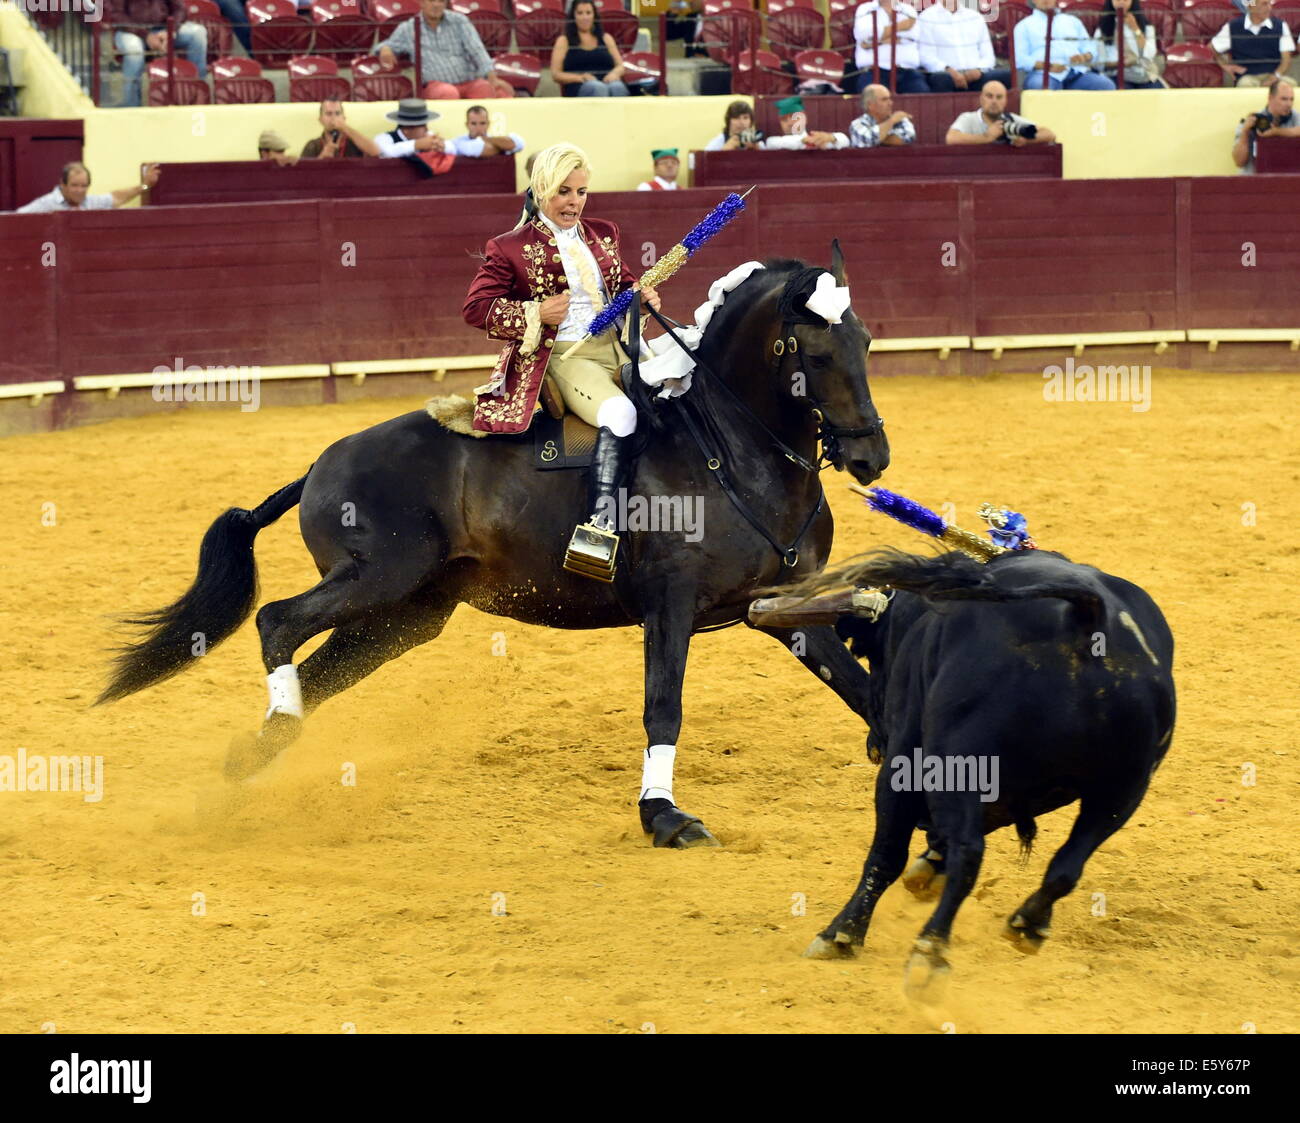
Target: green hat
[788, 105]
[661, 153]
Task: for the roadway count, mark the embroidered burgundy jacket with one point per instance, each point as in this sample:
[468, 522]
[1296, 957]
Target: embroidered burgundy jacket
[521, 266]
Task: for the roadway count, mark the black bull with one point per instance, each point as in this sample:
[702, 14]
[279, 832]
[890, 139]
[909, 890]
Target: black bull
[1025, 684]
[406, 520]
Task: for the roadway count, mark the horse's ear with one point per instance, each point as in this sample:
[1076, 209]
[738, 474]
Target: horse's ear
[837, 264]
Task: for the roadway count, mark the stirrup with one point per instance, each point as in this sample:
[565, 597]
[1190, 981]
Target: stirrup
[592, 552]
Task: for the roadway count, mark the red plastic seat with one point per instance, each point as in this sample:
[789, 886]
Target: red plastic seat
[536, 32]
[307, 66]
[1192, 66]
[841, 24]
[320, 87]
[623, 26]
[795, 29]
[523, 72]
[278, 32]
[243, 91]
[233, 67]
[1203, 19]
[1088, 12]
[1162, 15]
[389, 13]
[759, 72]
[187, 89]
[367, 65]
[1002, 29]
[494, 28]
[469, 7]
[728, 31]
[776, 7]
[385, 86]
[523, 7]
[604, 6]
[642, 66]
[341, 28]
[208, 15]
[820, 66]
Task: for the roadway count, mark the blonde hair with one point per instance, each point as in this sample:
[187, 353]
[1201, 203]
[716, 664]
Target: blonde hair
[551, 167]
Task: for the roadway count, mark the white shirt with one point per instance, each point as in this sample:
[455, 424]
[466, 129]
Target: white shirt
[958, 39]
[795, 142]
[908, 55]
[571, 245]
[1223, 40]
[664, 184]
[473, 146]
[392, 149]
[54, 201]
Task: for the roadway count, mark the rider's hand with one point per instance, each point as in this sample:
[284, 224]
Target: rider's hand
[650, 297]
[555, 308]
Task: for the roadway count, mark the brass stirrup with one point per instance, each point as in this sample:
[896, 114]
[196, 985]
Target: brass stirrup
[592, 552]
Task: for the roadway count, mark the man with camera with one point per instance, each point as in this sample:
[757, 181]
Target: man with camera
[992, 124]
[1277, 119]
[339, 139]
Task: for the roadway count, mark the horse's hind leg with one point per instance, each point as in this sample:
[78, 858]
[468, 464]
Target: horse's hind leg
[1100, 816]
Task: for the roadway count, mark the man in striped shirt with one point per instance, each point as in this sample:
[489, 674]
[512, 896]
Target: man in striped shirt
[454, 63]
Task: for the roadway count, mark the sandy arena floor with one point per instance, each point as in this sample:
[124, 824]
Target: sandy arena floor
[482, 774]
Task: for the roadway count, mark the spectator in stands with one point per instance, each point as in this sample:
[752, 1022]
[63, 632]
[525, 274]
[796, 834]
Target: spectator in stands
[455, 63]
[476, 142]
[412, 132]
[237, 16]
[339, 139]
[140, 26]
[737, 130]
[988, 124]
[1255, 49]
[1140, 69]
[794, 130]
[585, 60]
[880, 122]
[272, 146]
[666, 168]
[955, 50]
[1071, 51]
[895, 32]
[1278, 119]
[70, 193]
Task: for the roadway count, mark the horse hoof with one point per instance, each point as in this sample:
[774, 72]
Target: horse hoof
[926, 976]
[1023, 937]
[673, 828]
[822, 948]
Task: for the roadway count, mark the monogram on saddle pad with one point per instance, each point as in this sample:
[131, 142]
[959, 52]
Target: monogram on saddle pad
[563, 442]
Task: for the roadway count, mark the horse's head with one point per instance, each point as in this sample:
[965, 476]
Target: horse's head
[820, 367]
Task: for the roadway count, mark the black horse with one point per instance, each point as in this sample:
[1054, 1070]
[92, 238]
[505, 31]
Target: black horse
[408, 519]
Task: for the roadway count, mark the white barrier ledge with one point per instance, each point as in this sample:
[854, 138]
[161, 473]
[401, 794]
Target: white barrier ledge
[116, 383]
[36, 391]
[1215, 336]
[438, 368]
[1078, 341]
[944, 344]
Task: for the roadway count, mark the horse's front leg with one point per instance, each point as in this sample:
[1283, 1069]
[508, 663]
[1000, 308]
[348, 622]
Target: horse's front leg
[667, 640]
[826, 655]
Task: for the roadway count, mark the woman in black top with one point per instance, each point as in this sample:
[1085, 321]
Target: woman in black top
[585, 59]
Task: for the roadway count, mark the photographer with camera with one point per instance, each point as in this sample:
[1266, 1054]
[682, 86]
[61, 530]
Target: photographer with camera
[992, 124]
[737, 130]
[1277, 119]
[339, 138]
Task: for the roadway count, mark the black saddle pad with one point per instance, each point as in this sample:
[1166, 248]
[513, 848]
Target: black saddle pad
[567, 443]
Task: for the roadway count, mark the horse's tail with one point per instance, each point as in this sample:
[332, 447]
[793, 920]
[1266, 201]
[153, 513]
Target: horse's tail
[220, 598]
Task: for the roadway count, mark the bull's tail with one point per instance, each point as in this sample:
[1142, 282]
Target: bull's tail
[1026, 831]
[956, 576]
[220, 598]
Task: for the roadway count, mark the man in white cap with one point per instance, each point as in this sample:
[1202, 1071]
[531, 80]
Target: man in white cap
[411, 136]
[667, 165]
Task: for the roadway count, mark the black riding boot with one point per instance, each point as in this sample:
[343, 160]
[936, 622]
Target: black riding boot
[594, 546]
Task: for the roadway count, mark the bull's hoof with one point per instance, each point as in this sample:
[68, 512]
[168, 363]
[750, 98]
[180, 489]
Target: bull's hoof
[1026, 937]
[821, 948]
[672, 828]
[926, 976]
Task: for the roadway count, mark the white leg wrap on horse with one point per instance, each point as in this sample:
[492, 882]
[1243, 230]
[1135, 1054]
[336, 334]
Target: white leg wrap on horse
[286, 693]
[657, 772]
[618, 415]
